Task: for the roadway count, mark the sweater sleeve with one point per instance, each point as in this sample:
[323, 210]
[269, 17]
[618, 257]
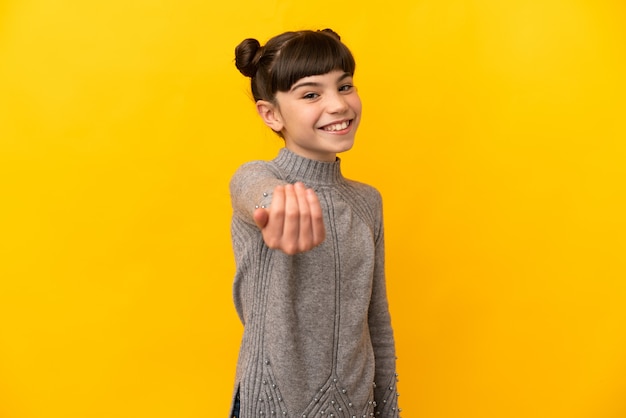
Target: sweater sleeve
[381, 332]
[251, 187]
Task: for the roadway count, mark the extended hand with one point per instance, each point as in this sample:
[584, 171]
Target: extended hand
[294, 221]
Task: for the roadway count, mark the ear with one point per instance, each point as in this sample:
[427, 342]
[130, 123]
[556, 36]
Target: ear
[270, 115]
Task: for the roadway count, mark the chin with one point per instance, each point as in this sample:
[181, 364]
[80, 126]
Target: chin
[346, 146]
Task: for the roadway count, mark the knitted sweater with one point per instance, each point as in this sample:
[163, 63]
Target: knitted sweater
[317, 336]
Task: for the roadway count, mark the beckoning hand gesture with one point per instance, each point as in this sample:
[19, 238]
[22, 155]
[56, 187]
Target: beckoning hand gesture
[294, 221]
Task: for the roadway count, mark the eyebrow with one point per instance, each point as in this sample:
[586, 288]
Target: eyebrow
[314, 84]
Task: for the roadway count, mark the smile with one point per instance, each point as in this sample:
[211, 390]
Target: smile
[337, 126]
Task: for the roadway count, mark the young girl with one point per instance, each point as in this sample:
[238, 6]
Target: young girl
[309, 245]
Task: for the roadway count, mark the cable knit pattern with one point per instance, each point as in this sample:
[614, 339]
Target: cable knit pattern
[317, 333]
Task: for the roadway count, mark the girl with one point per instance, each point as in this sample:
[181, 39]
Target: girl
[309, 245]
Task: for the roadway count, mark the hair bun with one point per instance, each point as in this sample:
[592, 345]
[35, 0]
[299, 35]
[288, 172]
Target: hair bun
[247, 55]
[331, 32]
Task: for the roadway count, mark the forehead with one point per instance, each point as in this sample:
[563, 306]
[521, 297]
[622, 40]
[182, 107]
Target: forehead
[330, 78]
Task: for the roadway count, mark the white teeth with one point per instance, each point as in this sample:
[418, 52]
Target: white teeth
[337, 126]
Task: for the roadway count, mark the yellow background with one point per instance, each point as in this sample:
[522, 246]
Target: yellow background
[494, 129]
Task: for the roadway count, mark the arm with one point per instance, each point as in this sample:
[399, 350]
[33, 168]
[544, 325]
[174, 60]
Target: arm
[381, 332]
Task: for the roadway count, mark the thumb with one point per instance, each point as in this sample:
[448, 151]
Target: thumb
[261, 216]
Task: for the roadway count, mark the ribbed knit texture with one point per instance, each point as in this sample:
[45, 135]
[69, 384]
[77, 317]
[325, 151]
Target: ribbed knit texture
[317, 333]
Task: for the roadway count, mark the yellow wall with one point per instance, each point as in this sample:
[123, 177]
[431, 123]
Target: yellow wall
[495, 130]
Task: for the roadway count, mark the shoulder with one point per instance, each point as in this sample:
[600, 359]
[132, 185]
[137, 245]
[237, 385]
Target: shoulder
[366, 202]
[254, 170]
[366, 192]
[364, 199]
[253, 167]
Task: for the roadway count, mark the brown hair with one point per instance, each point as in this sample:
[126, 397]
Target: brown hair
[288, 57]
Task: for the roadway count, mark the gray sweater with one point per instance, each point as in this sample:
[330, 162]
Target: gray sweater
[317, 336]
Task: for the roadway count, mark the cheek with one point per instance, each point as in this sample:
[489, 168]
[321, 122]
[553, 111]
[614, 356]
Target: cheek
[309, 116]
[354, 99]
[355, 103]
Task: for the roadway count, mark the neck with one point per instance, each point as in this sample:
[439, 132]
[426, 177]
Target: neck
[307, 170]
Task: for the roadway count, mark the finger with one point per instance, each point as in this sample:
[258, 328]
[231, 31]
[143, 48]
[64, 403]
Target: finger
[305, 233]
[317, 217]
[291, 220]
[261, 216]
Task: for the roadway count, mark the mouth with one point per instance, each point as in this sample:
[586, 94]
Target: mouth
[337, 126]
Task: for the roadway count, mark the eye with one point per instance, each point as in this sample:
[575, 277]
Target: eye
[346, 88]
[310, 96]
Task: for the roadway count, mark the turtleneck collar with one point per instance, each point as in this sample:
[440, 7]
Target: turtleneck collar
[308, 171]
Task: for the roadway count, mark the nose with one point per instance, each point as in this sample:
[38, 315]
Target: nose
[337, 103]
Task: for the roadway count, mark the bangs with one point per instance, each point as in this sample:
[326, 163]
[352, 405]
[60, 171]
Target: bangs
[313, 53]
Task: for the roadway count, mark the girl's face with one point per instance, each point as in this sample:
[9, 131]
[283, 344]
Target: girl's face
[318, 117]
